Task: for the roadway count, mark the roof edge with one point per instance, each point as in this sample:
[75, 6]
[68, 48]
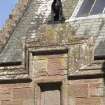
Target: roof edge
[12, 22]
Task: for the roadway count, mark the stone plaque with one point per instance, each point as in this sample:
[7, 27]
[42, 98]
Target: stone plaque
[50, 64]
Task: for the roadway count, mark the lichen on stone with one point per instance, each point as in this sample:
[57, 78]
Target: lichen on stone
[57, 33]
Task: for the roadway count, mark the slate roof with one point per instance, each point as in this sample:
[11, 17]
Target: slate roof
[13, 51]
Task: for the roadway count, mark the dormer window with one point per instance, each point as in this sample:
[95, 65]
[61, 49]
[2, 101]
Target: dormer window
[91, 7]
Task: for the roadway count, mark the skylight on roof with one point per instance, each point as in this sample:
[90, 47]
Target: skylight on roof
[91, 7]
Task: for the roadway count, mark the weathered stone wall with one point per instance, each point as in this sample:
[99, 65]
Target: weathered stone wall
[56, 56]
[17, 94]
[80, 49]
[86, 92]
[84, 85]
[80, 92]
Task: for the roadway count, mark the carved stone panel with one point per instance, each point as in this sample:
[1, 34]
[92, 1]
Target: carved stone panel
[50, 64]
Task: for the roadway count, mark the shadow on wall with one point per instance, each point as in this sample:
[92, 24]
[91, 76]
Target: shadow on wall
[100, 50]
[103, 70]
[100, 55]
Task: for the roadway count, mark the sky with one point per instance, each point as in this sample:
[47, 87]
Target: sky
[6, 7]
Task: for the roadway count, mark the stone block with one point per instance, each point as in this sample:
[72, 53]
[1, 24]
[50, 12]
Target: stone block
[23, 93]
[29, 102]
[5, 96]
[6, 102]
[50, 64]
[13, 102]
[80, 90]
[17, 102]
[88, 101]
[72, 100]
[96, 89]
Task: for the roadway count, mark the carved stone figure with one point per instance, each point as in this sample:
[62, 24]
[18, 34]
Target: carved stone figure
[57, 12]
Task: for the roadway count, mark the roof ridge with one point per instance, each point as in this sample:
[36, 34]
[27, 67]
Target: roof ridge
[12, 22]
